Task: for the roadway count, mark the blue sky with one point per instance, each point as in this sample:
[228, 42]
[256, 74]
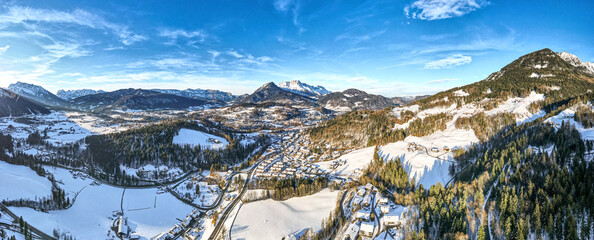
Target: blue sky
[393, 48]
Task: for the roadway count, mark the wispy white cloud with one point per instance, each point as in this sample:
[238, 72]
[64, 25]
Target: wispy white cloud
[293, 7]
[442, 80]
[449, 62]
[361, 37]
[18, 14]
[234, 54]
[442, 9]
[283, 5]
[196, 36]
[4, 49]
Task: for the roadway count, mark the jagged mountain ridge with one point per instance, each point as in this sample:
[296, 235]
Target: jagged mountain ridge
[304, 89]
[576, 62]
[202, 94]
[72, 94]
[37, 93]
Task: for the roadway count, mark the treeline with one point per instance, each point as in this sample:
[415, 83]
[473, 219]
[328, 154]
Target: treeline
[585, 116]
[387, 174]
[485, 126]
[154, 145]
[282, 189]
[6, 145]
[428, 125]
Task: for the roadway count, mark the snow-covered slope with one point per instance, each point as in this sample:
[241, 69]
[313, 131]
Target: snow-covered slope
[36, 93]
[304, 89]
[20, 182]
[567, 117]
[149, 212]
[197, 138]
[576, 62]
[271, 219]
[12, 104]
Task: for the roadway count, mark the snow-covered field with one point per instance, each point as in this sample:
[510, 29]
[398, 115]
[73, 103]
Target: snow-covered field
[91, 217]
[94, 124]
[208, 193]
[21, 182]
[195, 138]
[269, 219]
[519, 106]
[58, 127]
[356, 161]
[427, 169]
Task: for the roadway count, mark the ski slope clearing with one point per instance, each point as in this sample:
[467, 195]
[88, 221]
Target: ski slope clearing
[355, 163]
[20, 182]
[91, 217]
[197, 138]
[428, 167]
[567, 116]
[277, 219]
[518, 106]
[425, 166]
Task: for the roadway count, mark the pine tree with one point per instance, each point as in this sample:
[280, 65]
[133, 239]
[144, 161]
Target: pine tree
[536, 218]
[483, 233]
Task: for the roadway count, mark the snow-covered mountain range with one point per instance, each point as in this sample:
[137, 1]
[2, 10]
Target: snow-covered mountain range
[202, 94]
[304, 89]
[71, 94]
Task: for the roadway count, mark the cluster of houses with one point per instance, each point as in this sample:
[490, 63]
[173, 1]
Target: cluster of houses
[284, 168]
[414, 147]
[366, 221]
[289, 159]
[279, 117]
[177, 229]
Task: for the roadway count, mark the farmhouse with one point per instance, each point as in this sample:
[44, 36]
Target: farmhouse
[367, 229]
[352, 232]
[385, 209]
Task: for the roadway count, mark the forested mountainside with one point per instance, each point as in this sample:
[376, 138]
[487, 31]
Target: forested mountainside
[154, 145]
[12, 104]
[271, 93]
[354, 99]
[527, 182]
[137, 99]
[529, 179]
[542, 72]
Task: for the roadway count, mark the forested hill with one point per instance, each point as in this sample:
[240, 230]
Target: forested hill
[541, 72]
[13, 105]
[525, 179]
[154, 145]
